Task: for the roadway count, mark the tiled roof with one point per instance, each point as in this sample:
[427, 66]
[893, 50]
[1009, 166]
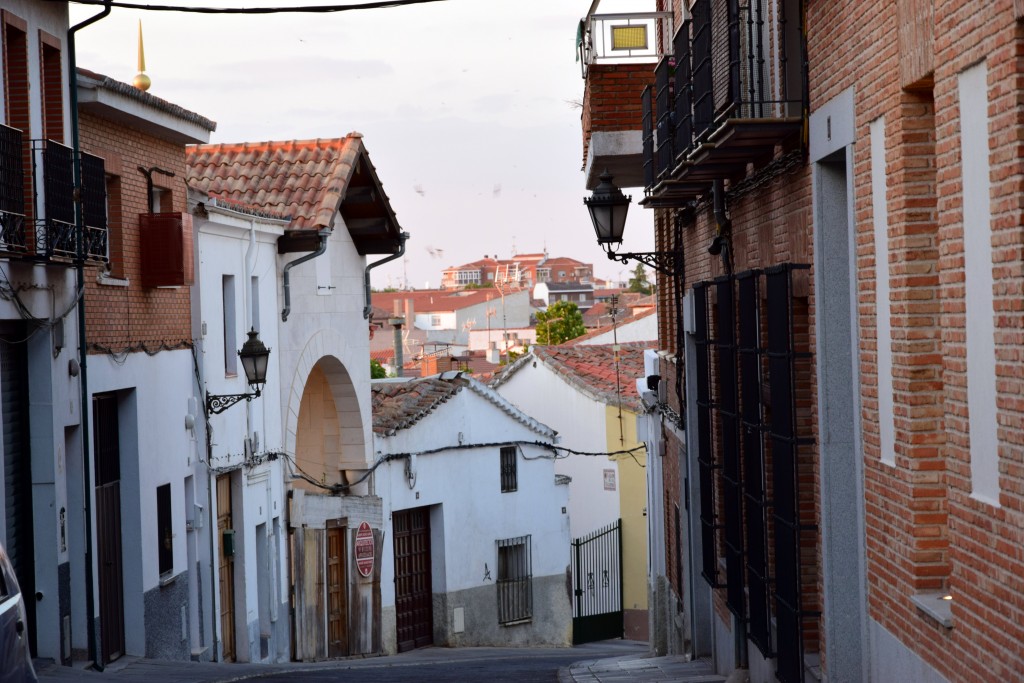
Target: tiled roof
[399, 404]
[133, 93]
[305, 179]
[563, 261]
[591, 369]
[436, 300]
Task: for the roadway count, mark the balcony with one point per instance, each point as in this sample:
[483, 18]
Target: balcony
[732, 89]
[617, 53]
[37, 209]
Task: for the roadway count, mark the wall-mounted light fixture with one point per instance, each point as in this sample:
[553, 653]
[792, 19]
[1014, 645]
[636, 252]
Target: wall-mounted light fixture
[608, 208]
[254, 356]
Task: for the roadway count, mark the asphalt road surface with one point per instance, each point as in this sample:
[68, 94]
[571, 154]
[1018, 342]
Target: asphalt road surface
[440, 664]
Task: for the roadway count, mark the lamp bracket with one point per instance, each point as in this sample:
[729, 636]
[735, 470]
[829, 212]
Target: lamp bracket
[668, 263]
[218, 403]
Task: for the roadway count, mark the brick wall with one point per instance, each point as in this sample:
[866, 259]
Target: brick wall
[124, 316]
[924, 529]
[611, 100]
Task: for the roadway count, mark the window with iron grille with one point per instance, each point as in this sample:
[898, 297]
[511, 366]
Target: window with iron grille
[165, 535]
[509, 470]
[515, 580]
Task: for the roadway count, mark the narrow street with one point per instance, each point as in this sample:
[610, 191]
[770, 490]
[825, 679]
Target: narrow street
[427, 664]
[477, 664]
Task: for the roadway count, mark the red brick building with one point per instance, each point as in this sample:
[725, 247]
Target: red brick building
[837, 193]
[522, 271]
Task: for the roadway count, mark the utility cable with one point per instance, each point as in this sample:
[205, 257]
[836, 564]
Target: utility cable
[304, 9]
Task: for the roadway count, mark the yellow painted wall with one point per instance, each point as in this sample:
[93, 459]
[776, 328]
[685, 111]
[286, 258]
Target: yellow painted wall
[631, 481]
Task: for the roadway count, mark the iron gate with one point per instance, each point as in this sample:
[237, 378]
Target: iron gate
[597, 585]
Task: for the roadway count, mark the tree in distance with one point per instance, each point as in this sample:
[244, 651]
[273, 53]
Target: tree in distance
[561, 322]
[639, 282]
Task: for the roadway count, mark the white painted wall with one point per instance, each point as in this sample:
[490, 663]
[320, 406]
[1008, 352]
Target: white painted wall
[156, 449]
[883, 307]
[328, 326]
[581, 424]
[466, 483]
[640, 330]
[978, 284]
[54, 395]
[230, 243]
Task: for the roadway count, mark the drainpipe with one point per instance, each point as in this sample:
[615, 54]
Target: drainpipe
[402, 237]
[324, 234]
[723, 242]
[90, 600]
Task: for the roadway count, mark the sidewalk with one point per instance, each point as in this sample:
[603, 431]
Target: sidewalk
[640, 668]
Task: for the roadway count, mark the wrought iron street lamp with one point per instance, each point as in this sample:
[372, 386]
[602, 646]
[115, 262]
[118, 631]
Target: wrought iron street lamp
[608, 208]
[254, 356]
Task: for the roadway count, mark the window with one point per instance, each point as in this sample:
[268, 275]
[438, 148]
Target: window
[435, 321]
[228, 294]
[164, 535]
[509, 472]
[515, 580]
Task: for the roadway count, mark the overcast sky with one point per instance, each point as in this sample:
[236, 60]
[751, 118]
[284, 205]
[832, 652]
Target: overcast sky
[470, 110]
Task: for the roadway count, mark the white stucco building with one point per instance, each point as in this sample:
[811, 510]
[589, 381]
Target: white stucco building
[477, 518]
[236, 291]
[315, 430]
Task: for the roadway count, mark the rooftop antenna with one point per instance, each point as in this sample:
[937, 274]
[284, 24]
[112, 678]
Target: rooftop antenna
[141, 80]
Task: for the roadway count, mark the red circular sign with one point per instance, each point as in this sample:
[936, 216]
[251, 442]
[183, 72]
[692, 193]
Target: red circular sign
[364, 549]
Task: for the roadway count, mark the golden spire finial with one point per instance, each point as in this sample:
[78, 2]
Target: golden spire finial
[141, 80]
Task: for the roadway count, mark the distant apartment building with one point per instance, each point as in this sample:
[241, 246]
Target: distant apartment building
[574, 292]
[522, 271]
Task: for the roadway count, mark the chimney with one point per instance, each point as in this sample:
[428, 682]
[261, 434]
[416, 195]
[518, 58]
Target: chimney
[397, 321]
[493, 354]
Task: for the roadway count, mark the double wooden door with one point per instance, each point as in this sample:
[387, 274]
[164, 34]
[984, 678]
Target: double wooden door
[413, 600]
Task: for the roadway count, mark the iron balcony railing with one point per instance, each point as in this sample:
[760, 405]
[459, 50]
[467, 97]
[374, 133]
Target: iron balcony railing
[53, 168]
[732, 63]
[626, 38]
[95, 229]
[37, 207]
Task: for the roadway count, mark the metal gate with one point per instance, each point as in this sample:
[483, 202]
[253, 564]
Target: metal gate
[597, 585]
[17, 465]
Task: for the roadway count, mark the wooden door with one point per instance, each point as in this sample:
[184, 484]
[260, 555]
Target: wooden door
[337, 605]
[414, 604]
[227, 569]
[107, 453]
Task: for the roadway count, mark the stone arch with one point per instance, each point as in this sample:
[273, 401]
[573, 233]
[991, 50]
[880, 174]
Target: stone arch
[320, 374]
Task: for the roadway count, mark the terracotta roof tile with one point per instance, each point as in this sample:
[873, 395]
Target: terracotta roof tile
[399, 404]
[304, 179]
[592, 369]
[436, 300]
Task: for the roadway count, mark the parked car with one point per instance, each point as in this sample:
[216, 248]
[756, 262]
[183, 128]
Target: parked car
[15, 658]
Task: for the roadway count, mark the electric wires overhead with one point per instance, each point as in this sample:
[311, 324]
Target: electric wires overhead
[302, 9]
